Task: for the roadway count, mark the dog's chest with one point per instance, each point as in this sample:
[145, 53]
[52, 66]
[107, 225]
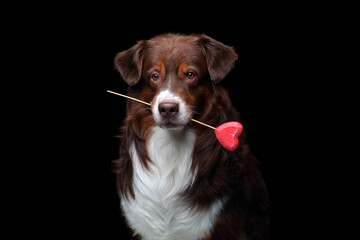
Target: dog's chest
[159, 210]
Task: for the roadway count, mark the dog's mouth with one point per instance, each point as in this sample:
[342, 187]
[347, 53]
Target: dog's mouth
[171, 124]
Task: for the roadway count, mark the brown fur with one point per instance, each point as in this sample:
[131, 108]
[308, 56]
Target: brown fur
[221, 173]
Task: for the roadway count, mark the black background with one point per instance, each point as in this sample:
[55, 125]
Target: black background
[271, 84]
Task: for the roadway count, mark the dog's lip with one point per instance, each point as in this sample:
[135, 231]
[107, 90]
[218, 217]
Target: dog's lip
[170, 125]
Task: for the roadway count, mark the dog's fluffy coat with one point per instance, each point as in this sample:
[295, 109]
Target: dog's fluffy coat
[174, 179]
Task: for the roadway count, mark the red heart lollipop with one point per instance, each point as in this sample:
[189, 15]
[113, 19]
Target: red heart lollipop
[228, 134]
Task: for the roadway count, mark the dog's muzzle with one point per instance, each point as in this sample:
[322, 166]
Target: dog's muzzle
[169, 110]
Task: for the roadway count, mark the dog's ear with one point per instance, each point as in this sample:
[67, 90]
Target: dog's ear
[220, 58]
[129, 62]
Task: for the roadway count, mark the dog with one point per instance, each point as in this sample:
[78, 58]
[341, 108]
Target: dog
[175, 180]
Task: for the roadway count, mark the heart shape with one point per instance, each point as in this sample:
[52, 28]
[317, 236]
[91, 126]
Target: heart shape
[228, 134]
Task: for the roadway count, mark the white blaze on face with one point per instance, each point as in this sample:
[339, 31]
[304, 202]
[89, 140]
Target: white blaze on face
[181, 118]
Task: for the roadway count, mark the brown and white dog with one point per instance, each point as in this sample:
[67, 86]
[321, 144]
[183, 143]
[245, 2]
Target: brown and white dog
[174, 178]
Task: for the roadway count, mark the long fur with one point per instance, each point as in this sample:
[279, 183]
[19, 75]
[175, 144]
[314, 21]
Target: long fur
[229, 182]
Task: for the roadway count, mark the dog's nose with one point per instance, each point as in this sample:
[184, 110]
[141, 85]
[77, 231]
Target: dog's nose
[168, 109]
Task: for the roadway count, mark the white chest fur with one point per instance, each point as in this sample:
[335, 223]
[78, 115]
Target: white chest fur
[159, 210]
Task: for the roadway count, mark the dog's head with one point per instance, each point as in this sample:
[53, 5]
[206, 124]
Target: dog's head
[177, 72]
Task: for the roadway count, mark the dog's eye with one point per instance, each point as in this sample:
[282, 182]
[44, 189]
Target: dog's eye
[155, 77]
[190, 75]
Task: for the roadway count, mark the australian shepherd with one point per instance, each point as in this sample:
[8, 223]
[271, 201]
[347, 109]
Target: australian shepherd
[175, 180]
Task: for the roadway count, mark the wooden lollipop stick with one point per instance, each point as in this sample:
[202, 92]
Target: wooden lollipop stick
[128, 97]
[125, 96]
[202, 123]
